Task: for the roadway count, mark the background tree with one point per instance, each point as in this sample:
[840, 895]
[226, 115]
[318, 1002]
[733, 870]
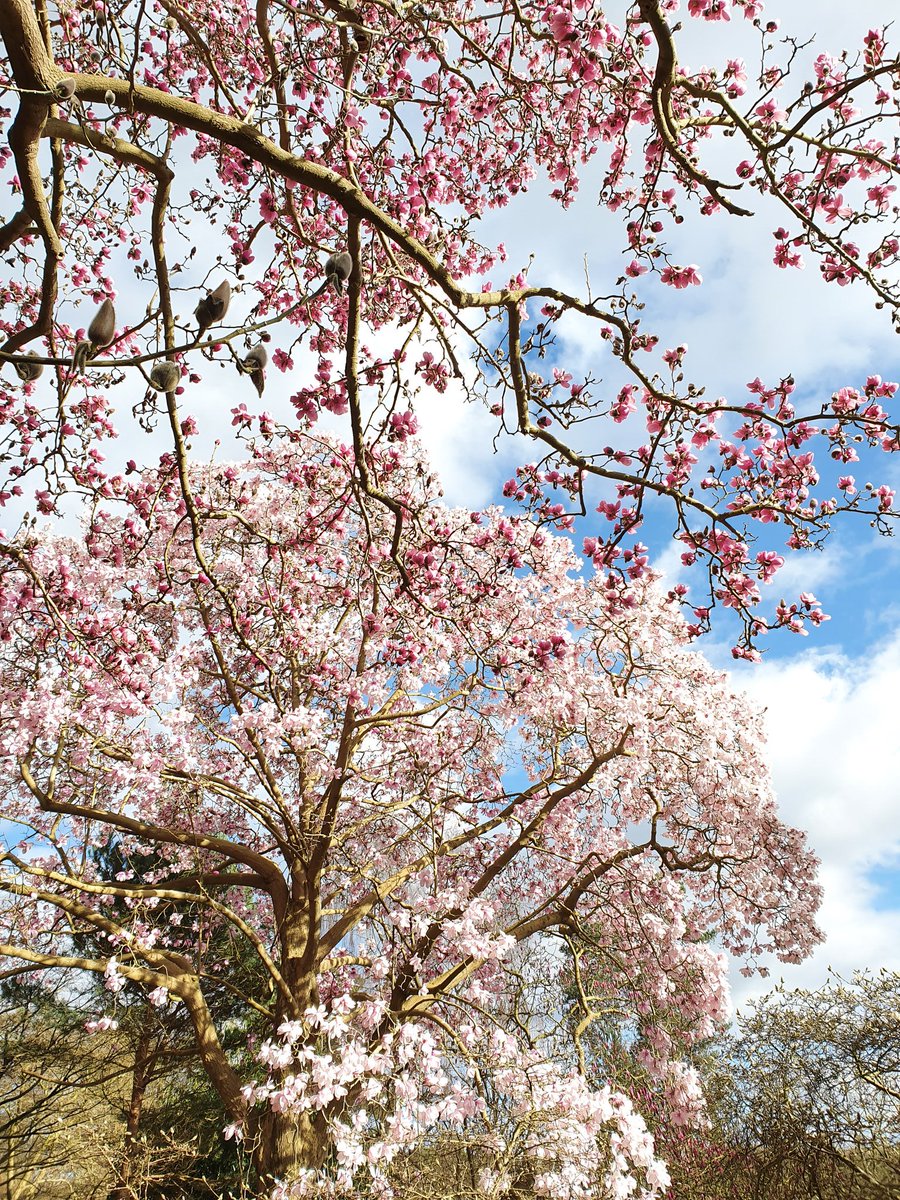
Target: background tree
[818, 1074]
[53, 1110]
[801, 1101]
[385, 132]
[171, 1145]
[379, 781]
[108, 1106]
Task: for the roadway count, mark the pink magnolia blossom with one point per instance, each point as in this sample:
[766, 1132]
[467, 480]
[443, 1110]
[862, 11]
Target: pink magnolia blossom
[681, 277]
[433, 134]
[647, 787]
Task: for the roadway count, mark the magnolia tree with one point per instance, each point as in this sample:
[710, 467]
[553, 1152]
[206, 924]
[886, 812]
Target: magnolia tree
[378, 134]
[380, 783]
[378, 744]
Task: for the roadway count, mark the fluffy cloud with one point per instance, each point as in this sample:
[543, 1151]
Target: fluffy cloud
[835, 757]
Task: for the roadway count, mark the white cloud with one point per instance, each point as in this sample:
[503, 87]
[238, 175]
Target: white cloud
[835, 758]
[458, 436]
[807, 570]
[457, 433]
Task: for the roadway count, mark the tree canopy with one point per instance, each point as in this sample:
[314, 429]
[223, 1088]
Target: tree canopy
[201, 147]
[381, 782]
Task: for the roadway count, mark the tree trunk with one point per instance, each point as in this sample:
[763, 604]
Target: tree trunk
[285, 1144]
[128, 1172]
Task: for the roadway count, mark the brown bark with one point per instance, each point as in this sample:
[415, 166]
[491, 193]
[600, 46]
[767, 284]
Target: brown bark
[140, 1077]
[285, 1143]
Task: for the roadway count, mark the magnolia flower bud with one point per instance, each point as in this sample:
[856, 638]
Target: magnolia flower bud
[256, 358]
[109, 97]
[165, 375]
[65, 89]
[253, 364]
[100, 333]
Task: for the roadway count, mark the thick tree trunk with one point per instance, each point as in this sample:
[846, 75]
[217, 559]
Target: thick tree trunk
[285, 1144]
